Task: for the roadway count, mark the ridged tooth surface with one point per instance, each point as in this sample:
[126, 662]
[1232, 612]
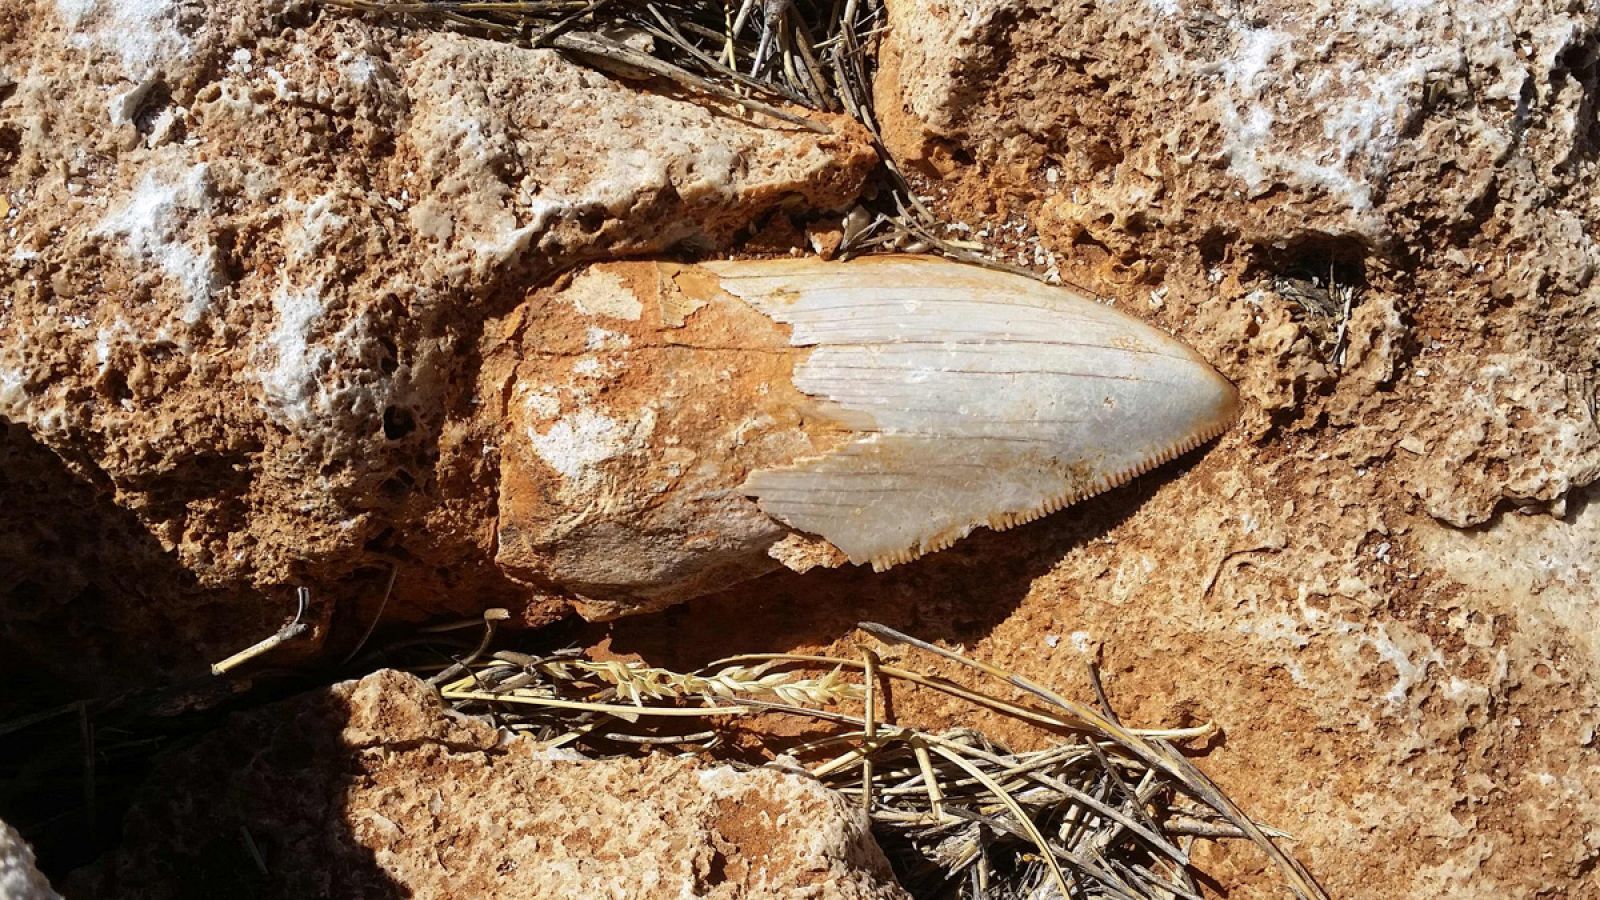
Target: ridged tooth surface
[978, 398]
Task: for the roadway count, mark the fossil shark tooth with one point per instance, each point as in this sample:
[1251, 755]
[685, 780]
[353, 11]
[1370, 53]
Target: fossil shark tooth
[672, 429]
[977, 397]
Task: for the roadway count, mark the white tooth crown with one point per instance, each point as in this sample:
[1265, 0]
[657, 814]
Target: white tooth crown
[976, 398]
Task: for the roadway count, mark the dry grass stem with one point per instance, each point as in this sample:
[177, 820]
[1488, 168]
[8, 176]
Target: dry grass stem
[763, 59]
[294, 629]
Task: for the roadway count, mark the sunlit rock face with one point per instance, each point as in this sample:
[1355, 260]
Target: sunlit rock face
[1378, 221]
[249, 248]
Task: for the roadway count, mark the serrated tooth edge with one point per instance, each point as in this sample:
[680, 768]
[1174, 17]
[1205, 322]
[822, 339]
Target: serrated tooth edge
[1009, 520]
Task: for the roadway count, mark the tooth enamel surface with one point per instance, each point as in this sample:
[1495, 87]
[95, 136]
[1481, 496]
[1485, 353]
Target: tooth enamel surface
[977, 398]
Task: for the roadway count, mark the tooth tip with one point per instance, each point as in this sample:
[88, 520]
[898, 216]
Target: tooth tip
[926, 451]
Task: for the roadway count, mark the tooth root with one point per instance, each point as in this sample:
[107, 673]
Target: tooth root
[978, 398]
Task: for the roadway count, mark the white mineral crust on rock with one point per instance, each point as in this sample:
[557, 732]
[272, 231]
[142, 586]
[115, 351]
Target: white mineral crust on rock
[243, 311]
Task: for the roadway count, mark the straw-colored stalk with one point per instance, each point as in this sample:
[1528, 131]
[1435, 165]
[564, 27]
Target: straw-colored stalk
[638, 683]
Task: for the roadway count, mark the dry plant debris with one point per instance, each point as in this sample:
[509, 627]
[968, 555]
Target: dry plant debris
[761, 54]
[1325, 307]
[1102, 811]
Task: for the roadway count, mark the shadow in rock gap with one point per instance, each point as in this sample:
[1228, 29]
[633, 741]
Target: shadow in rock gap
[90, 601]
[254, 809]
[104, 647]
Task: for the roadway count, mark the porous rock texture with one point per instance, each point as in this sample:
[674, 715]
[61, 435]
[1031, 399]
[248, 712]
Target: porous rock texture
[248, 249]
[1383, 585]
[370, 789]
[19, 878]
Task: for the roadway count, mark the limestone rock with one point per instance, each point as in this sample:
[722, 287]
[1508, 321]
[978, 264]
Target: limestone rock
[248, 249]
[1421, 160]
[1241, 172]
[405, 799]
[19, 879]
[1526, 425]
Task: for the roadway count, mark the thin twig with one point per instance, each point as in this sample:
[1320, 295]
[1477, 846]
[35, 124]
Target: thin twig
[870, 731]
[566, 24]
[377, 617]
[287, 633]
[490, 617]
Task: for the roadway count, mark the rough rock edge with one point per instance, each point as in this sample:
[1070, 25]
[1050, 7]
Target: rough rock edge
[405, 797]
